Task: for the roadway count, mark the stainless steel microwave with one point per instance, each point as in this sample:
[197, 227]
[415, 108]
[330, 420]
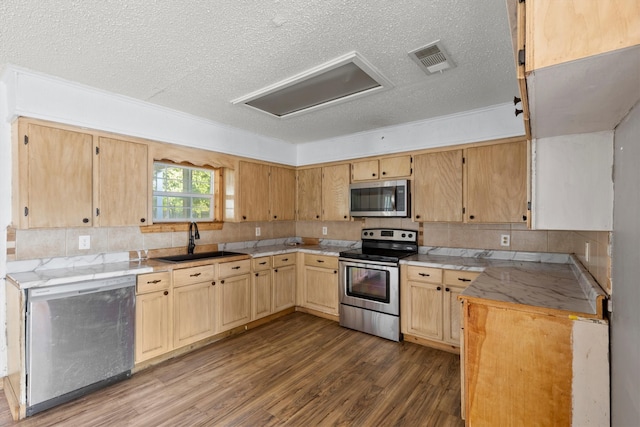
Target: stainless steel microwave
[380, 198]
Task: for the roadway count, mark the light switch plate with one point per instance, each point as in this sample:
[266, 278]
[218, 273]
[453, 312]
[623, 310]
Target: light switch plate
[257, 231]
[324, 231]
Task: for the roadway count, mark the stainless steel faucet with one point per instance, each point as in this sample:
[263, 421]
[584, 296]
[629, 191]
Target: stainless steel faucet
[193, 234]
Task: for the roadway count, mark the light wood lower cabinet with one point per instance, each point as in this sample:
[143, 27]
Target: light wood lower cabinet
[193, 304]
[430, 309]
[261, 290]
[320, 285]
[234, 294]
[153, 315]
[284, 281]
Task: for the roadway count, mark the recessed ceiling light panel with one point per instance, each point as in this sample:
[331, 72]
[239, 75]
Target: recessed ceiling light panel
[340, 80]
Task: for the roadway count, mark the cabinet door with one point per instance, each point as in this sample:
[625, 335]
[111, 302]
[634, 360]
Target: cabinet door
[262, 294]
[153, 325]
[452, 314]
[425, 305]
[496, 183]
[193, 307]
[395, 167]
[283, 194]
[310, 194]
[366, 170]
[321, 289]
[234, 301]
[284, 287]
[437, 187]
[253, 191]
[335, 193]
[59, 189]
[124, 183]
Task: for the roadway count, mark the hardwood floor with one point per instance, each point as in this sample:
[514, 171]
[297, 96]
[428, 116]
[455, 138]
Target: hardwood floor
[299, 370]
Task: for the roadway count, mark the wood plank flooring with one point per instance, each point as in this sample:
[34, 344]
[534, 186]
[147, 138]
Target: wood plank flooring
[299, 370]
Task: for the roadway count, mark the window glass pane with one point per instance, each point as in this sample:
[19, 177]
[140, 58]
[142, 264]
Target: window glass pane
[182, 193]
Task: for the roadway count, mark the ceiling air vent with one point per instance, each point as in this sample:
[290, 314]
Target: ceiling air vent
[432, 58]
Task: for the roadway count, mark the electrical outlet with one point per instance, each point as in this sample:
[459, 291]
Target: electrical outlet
[324, 231]
[84, 242]
[257, 231]
[505, 240]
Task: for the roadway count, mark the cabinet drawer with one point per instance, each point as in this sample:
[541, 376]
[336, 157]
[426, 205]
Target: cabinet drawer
[188, 276]
[424, 274]
[323, 261]
[459, 277]
[261, 264]
[153, 282]
[284, 259]
[234, 268]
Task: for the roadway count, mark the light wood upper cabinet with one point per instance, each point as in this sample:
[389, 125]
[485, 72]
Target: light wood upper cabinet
[253, 191]
[384, 168]
[437, 187]
[310, 194]
[55, 178]
[124, 183]
[496, 183]
[562, 31]
[335, 192]
[283, 193]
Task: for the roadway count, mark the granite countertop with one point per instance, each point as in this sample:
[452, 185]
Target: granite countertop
[563, 287]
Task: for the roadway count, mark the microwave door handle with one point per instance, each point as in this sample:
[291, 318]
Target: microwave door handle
[393, 199]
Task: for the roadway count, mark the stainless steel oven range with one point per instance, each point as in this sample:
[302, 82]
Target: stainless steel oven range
[370, 281]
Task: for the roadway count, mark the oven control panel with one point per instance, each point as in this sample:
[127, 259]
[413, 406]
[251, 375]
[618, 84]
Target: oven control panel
[395, 235]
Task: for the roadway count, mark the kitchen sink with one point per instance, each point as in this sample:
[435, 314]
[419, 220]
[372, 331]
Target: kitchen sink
[198, 256]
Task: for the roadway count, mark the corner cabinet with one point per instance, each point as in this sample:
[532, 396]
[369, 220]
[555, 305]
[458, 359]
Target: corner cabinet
[65, 178]
[496, 183]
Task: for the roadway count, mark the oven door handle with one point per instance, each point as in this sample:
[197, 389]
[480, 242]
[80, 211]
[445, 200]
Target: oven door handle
[365, 263]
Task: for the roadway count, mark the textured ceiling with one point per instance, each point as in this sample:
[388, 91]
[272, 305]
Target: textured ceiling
[197, 56]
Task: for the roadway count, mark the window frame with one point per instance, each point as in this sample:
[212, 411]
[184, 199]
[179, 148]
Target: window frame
[216, 194]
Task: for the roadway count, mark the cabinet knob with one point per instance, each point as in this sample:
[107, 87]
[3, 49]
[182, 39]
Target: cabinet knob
[345, 217]
[275, 217]
[275, 271]
[85, 220]
[524, 217]
[317, 216]
[222, 281]
[166, 292]
[438, 288]
[373, 174]
[142, 220]
[244, 217]
[446, 289]
[335, 271]
[417, 216]
[213, 283]
[384, 173]
[257, 274]
[472, 216]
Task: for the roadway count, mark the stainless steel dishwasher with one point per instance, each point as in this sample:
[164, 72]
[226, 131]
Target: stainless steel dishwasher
[80, 337]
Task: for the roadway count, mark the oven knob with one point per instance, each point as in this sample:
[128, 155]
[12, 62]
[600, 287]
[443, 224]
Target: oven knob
[410, 236]
[366, 233]
[404, 235]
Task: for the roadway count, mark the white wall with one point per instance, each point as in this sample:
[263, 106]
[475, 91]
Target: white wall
[625, 275]
[498, 121]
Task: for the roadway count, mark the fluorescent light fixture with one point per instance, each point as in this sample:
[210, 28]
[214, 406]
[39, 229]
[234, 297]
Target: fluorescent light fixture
[342, 79]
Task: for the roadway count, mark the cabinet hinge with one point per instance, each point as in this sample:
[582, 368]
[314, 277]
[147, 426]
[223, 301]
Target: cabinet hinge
[97, 211]
[26, 139]
[463, 160]
[521, 57]
[520, 1]
[411, 171]
[97, 150]
[463, 210]
[26, 211]
[528, 206]
[411, 159]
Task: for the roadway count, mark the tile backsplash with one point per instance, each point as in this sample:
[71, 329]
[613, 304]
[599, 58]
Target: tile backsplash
[45, 243]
